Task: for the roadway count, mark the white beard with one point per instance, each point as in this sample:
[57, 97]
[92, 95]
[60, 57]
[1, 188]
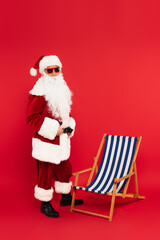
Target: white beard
[58, 96]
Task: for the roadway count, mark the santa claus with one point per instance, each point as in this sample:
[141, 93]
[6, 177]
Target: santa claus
[48, 114]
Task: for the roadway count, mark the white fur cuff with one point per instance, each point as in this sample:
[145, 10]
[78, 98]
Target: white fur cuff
[72, 123]
[62, 187]
[42, 194]
[49, 128]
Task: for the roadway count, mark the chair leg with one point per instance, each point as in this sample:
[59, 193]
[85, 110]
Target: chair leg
[136, 180]
[112, 202]
[74, 193]
[73, 200]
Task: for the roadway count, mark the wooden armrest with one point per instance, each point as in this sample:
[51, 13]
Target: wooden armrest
[117, 180]
[79, 172]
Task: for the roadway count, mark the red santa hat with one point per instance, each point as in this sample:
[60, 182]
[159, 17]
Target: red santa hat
[43, 62]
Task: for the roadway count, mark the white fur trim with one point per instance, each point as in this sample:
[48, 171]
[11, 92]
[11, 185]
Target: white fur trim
[62, 187]
[49, 128]
[33, 72]
[38, 88]
[53, 153]
[48, 61]
[65, 146]
[43, 194]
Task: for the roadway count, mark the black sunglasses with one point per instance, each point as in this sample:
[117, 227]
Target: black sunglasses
[50, 70]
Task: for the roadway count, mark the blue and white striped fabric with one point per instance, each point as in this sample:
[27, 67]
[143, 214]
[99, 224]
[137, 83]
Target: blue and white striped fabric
[116, 162]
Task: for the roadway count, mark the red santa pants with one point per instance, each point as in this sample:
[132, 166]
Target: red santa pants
[46, 172]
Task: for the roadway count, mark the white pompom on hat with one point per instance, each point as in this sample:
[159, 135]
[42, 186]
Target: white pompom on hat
[43, 62]
[33, 72]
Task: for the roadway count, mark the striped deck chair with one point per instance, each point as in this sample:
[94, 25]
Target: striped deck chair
[117, 166]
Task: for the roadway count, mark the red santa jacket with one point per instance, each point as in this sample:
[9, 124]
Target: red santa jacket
[46, 146]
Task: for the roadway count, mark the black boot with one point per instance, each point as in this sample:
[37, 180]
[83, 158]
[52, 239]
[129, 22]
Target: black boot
[66, 199]
[48, 210]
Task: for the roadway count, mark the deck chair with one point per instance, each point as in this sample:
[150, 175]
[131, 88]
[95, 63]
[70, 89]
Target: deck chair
[112, 178]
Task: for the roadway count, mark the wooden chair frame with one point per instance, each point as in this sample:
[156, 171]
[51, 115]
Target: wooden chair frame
[124, 194]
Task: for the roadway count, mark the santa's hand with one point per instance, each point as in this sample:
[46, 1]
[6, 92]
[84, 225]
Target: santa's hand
[67, 130]
[60, 131]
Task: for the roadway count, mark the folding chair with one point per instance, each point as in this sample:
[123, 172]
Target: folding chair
[117, 166]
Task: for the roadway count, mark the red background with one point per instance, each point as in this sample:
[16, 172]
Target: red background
[110, 52]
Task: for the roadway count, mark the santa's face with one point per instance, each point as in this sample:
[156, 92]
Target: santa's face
[52, 71]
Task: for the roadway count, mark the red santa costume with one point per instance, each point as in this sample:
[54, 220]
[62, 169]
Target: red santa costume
[48, 108]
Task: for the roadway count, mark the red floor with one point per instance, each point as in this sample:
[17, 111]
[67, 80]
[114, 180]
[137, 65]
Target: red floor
[20, 218]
